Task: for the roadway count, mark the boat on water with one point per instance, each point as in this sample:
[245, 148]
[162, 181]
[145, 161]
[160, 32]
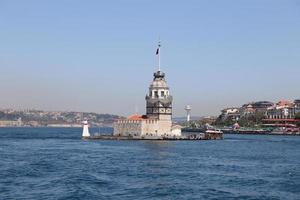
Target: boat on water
[217, 131]
[285, 131]
[207, 128]
[207, 131]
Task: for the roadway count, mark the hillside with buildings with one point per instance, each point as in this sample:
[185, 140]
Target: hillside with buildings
[38, 118]
[261, 113]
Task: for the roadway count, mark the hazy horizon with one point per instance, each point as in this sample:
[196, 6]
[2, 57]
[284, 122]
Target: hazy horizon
[100, 56]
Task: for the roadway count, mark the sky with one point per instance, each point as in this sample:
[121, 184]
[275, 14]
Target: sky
[99, 56]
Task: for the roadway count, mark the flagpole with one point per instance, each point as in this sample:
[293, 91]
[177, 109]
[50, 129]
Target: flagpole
[158, 55]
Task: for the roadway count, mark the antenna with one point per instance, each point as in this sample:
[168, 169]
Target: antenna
[159, 55]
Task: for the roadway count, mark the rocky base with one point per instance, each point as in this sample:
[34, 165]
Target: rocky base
[206, 136]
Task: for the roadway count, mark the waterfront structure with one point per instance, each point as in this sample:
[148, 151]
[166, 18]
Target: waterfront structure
[10, 123]
[278, 114]
[283, 110]
[157, 123]
[188, 112]
[85, 132]
[282, 114]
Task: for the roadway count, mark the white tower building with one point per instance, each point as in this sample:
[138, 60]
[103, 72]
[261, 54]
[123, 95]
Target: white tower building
[85, 131]
[188, 112]
[157, 123]
[159, 100]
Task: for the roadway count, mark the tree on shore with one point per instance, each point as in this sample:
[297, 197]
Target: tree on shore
[228, 121]
[250, 120]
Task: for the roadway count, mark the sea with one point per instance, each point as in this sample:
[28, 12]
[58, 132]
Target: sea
[55, 163]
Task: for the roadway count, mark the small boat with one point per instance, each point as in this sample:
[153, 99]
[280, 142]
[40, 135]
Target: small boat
[214, 131]
[214, 134]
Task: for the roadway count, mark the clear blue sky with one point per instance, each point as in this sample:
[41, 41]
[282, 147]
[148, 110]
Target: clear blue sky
[100, 55]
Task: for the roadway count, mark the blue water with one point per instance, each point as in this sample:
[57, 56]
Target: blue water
[54, 163]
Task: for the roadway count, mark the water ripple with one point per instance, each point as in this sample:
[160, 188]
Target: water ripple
[57, 164]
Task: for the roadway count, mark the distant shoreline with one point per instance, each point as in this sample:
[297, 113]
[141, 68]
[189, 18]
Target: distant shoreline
[53, 127]
[269, 134]
[280, 134]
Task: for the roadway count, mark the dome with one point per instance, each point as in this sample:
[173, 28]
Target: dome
[159, 83]
[159, 80]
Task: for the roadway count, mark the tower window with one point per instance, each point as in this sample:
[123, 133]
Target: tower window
[162, 93]
[156, 93]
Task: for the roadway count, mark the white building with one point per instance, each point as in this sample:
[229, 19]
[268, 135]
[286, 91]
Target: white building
[157, 123]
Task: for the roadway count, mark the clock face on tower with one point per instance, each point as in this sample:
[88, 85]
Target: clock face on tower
[155, 110]
[168, 110]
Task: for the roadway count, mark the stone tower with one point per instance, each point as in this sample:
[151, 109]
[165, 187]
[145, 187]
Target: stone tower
[157, 124]
[159, 100]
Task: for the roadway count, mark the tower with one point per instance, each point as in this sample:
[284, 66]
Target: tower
[159, 100]
[157, 124]
[85, 131]
[188, 112]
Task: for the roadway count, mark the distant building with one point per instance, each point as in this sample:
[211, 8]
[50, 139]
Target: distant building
[9, 123]
[297, 104]
[247, 110]
[230, 113]
[33, 124]
[255, 107]
[283, 110]
[19, 121]
[275, 113]
[282, 114]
